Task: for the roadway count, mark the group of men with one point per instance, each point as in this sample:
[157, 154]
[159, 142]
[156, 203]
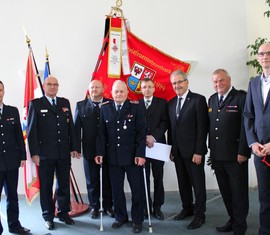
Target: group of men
[115, 133]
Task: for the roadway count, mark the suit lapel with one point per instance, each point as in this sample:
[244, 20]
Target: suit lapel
[185, 105]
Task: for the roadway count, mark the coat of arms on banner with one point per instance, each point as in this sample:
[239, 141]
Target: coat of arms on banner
[138, 73]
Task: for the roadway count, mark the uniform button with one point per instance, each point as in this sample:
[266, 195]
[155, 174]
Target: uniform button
[1, 125]
[216, 128]
[3, 142]
[118, 137]
[118, 122]
[58, 132]
[2, 133]
[57, 116]
[118, 145]
[219, 110]
[118, 129]
[4, 151]
[216, 138]
[217, 119]
[58, 124]
[59, 140]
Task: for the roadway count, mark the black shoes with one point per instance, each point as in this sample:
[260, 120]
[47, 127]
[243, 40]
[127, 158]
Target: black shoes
[226, 228]
[49, 225]
[109, 211]
[118, 224]
[94, 213]
[197, 222]
[136, 228]
[67, 220]
[19, 230]
[183, 214]
[158, 214]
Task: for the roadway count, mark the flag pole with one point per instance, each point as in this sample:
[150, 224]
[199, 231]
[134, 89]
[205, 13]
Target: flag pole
[47, 60]
[35, 64]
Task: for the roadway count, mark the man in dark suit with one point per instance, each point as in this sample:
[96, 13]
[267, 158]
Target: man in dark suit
[52, 142]
[86, 125]
[12, 156]
[229, 150]
[121, 140]
[257, 126]
[157, 119]
[188, 133]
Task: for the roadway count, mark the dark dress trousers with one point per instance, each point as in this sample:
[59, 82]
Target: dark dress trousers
[51, 135]
[157, 124]
[227, 139]
[121, 138]
[12, 152]
[257, 126]
[188, 136]
[86, 125]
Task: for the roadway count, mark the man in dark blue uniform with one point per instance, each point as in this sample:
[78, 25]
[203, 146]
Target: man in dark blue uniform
[156, 113]
[229, 150]
[86, 125]
[12, 156]
[121, 140]
[52, 142]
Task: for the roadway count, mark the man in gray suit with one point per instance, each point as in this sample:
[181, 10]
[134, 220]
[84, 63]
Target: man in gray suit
[257, 126]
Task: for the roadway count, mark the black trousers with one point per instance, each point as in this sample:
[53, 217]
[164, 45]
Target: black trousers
[47, 169]
[92, 176]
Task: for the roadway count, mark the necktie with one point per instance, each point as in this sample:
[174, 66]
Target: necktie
[118, 107]
[221, 100]
[96, 104]
[147, 104]
[53, 104]
[178, 107]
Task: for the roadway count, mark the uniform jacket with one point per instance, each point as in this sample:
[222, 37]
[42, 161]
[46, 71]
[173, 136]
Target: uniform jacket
[227, 136]
[51, 133]
[12, 148]
[157, 118]
[121, 135]
[257, 129]
[86, 125]
[190, 132]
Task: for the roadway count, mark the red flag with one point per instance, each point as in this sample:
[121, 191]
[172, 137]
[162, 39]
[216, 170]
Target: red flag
[32, 90]
[145, 61]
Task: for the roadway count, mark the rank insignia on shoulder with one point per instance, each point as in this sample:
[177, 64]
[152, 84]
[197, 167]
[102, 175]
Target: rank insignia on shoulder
[134, 102]
[106, 102]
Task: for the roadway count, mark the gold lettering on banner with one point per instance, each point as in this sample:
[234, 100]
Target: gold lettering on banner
[148, 60]
[159, 85]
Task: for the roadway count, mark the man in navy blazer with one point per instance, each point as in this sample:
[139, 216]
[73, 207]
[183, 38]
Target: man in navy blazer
[257, 126]
[12, 156]
[52, 142]
[156, 114]
[121, 140]
[229, 150]
[188, 132]
[86, 125]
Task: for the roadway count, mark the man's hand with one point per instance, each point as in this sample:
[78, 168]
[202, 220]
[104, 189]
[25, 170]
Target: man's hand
[266, 149]
[22, 163]
[171, 157]
[36, 159]
[98, 160]
[197, 159]
[139, 161]
[75, 154]
[241, 159]
[257, 149]
[150, 141]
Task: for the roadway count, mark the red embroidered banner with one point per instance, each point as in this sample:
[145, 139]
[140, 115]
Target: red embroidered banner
[145, 61]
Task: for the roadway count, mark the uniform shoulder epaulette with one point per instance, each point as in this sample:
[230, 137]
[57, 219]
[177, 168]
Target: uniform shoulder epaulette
[134, 102]
[106, 102]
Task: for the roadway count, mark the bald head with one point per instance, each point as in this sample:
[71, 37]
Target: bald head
[119, 91]
[96, 90]
[50, 86]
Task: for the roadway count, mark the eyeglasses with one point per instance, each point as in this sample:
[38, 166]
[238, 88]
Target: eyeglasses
[262, 53]
[52, 84]
[178, 82]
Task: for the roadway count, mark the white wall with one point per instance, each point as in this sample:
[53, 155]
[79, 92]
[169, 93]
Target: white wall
[211, 32]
